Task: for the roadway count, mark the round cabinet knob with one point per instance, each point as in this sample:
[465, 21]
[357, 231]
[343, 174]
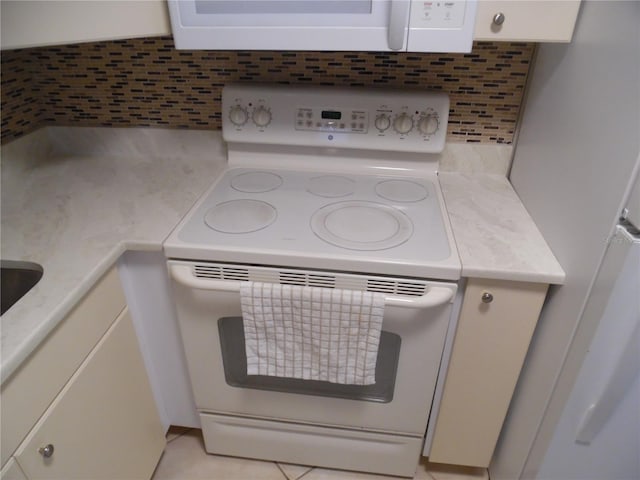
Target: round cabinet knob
[46, 451]
[498, 18]
[487, 297]
[238, 115]
[261, 116]
[403, 123]
[428, 124]
[382, 122]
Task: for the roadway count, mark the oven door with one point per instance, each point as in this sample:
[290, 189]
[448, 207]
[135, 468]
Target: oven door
[414, 328]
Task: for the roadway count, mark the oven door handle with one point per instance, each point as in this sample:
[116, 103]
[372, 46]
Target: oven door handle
[434, 297]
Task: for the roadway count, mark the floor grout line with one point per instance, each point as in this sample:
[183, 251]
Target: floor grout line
[296, 478]
[282, 471]
[310, 470]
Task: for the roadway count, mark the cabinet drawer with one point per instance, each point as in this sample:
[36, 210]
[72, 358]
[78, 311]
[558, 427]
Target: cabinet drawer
[527, 20]
[104, 425]
[30, 390]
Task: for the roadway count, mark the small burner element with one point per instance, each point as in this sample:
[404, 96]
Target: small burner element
[361, 225]
[240, 216]
[256, 182]
[401, 191]
[331, 186]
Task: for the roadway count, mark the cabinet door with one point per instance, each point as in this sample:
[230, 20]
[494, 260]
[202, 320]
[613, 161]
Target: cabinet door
[488, 351]
[27, 394]
[33, 24]
[104, 424]
[527, 20]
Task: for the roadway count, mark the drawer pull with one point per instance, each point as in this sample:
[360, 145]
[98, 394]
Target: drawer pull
[498, 18]
[46, 451]
[487, 297]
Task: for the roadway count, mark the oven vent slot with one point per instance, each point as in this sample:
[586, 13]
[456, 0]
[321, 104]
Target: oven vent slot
[310, 278]
[307, 280]
[395, 287]
[407, 288]
[326, 281]
[221, 273]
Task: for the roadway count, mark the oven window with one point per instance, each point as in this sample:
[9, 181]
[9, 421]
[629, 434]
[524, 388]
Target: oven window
[235, 369]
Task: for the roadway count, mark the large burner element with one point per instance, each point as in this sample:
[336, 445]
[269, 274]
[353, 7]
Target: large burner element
[240, 216]
[361, 225]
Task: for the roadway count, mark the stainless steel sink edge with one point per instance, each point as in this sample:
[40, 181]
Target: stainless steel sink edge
[16, 279]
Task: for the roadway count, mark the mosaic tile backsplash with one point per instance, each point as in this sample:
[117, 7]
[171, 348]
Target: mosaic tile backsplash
[148, 83]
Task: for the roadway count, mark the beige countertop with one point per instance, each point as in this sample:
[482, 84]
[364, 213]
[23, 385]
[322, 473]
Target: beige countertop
[75, 199]
[495, 235]
[75, 214]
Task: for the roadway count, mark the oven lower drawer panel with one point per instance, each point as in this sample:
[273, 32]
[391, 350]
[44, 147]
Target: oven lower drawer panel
[311, 445]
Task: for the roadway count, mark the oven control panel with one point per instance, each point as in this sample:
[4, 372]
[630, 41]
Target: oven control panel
[374, 119]
[326, 120]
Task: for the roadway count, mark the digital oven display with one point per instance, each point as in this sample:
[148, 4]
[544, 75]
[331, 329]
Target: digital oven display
[331, 115]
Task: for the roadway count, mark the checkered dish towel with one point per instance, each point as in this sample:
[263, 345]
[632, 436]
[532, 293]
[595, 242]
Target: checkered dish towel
[311, 333]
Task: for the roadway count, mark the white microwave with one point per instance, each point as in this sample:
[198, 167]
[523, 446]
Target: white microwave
[359, 25]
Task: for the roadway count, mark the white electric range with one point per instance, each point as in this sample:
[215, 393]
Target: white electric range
[334, 189]
[327, 178]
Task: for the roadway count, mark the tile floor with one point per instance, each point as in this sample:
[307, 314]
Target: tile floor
[185, 459]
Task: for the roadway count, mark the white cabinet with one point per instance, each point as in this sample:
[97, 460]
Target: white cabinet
[52, 22]
[31, 389]
[104, 424]
[85, 392]
[496, 323]
[526, 20]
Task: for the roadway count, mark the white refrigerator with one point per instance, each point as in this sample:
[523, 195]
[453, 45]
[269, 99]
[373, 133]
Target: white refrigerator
[575, 413]
[597, 436]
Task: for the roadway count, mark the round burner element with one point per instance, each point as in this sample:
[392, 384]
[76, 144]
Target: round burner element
[256, 182]
[331, 186]
[401, 191]
[240, 216]
[360, 225]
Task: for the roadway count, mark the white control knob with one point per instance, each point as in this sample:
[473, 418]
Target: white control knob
[382, 122]
[428, 124]
[403, 123]
[238, 115]
[261, 116]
